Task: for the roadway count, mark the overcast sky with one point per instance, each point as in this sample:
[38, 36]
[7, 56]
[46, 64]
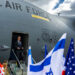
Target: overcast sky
[65, 7]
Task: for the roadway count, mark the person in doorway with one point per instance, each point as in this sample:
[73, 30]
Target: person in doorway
[19, 48]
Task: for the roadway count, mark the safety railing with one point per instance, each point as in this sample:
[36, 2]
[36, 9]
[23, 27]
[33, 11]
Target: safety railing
[18, 61]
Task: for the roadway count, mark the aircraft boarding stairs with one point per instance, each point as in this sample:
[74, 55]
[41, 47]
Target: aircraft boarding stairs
[14, 69]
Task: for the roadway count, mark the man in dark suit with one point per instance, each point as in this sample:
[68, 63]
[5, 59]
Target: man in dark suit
[19, 48]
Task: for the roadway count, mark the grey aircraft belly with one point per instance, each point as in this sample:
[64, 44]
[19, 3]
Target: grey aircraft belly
[36, 26]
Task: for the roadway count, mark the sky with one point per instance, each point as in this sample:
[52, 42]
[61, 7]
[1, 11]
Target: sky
[65, 7]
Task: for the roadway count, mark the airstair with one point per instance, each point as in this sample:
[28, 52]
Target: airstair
[14, 69]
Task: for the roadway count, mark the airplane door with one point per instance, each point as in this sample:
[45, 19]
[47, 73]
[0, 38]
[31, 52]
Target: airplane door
[24, 39]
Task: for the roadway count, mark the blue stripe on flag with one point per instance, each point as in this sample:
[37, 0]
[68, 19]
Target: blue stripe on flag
[37, 68]
[29, 52]
[57, 5]
[59, 45]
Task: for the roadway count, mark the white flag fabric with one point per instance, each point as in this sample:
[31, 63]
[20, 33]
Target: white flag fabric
[52, 64]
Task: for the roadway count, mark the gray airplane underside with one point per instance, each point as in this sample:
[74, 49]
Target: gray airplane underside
[20, 18]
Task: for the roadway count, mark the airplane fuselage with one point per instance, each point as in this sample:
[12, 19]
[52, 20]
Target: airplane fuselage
[40, 27]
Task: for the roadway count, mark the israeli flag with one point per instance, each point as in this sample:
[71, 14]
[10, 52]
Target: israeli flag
[52, 64]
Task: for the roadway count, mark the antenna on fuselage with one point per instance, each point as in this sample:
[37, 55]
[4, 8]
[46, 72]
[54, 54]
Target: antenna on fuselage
[58, 14]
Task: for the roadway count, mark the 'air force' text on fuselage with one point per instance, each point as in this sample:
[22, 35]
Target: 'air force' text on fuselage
[18, 7]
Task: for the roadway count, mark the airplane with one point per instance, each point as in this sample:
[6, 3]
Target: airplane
[36, 27]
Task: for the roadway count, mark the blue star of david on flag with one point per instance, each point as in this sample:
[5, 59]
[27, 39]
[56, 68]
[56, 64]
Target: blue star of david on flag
[50, 72]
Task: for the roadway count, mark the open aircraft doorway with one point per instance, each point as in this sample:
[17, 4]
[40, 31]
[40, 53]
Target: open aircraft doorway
[20, 53]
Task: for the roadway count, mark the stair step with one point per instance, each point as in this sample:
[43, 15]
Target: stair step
[17, 70]
[20, 73]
